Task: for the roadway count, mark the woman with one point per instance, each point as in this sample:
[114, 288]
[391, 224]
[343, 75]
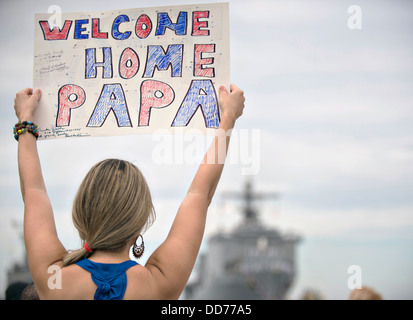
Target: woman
[112, 208]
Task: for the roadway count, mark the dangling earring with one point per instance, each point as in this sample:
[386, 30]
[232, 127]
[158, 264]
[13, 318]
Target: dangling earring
[138, 250]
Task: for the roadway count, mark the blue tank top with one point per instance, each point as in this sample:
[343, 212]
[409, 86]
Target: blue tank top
[109, 277]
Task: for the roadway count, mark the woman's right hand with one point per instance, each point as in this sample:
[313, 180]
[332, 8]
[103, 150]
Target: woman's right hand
[25, 103]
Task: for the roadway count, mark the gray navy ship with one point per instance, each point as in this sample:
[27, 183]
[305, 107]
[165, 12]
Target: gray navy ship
[252, 262]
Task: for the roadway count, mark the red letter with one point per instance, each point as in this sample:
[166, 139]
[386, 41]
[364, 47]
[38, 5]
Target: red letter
[197, 25]
[143, 26]
[70, 96]
[199, 69]
[95, 30]
[55, 34]
[154, 94]
[128, 63]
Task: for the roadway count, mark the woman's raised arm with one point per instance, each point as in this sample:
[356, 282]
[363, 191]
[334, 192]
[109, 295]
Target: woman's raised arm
[42, 244]
[171, 264]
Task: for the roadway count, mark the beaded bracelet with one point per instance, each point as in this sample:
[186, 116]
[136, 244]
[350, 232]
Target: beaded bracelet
[25, 126]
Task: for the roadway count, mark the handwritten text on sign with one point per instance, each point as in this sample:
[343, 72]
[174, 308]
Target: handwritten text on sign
[131, 71]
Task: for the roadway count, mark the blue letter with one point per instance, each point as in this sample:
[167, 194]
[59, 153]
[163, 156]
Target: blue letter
[79, 29]
[164, 22]
[91, 63]
[200, 94]
[115, 28]
[111, 98]
[157, 57]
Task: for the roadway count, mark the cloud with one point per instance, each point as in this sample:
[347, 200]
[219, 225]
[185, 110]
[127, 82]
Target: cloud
[331, 171]
[360, 224]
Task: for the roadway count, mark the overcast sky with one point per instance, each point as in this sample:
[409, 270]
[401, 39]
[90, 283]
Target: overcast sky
[334, 110]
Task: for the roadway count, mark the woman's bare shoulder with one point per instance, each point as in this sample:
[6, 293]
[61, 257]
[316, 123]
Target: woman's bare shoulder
[141, 284]
[68, 283]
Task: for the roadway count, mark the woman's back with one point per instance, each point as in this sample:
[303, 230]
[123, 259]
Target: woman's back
[78, 283]
[110, 278]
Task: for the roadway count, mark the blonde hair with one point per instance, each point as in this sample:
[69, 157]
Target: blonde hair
[365, 293]
[112, 207]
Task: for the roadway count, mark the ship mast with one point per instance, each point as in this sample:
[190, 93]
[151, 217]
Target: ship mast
[248, 196]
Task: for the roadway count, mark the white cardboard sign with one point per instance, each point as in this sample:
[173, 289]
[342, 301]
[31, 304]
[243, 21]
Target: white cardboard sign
[131, 71]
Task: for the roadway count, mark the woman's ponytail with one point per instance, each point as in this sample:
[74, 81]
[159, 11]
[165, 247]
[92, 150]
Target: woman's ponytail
[75, 256]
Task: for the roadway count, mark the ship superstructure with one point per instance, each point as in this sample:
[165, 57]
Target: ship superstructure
[251, 262]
